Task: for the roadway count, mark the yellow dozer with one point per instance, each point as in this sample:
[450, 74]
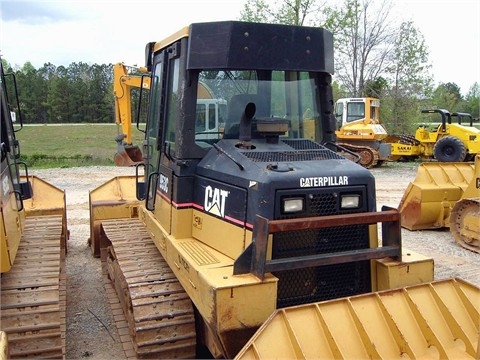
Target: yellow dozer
[124, 80]
[445, 195]
[218, 231]
[33, 242]
[359, 130]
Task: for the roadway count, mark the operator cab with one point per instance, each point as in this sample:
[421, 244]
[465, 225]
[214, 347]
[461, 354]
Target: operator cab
[348, 110]
[218, 88]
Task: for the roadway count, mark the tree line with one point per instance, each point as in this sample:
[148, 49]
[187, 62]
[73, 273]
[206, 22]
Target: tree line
[58, 94]
[373, 57]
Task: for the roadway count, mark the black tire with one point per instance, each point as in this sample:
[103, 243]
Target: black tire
[449, 149]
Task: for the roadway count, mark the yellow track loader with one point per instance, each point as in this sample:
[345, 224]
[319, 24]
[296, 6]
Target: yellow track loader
[360, 130]
[445, 195]
[33, 244]
[216, 233]
[124, 80]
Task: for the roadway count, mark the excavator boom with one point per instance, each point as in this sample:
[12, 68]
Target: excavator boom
[127, 154]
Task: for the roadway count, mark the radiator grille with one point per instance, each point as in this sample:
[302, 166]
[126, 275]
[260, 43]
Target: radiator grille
[308, 285]
[302, 286]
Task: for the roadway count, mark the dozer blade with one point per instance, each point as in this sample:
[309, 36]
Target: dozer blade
[430, 197]
[115, 199]
[436, 320]
[128, 155]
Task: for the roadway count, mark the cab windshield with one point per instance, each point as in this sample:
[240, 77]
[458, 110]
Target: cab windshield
[355, 111]
[223, 95]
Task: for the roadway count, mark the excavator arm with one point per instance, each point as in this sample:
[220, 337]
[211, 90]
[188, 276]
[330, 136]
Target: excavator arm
[127, 154]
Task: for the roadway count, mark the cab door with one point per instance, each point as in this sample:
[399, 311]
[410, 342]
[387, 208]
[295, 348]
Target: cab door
[161, 134]
[153, 135]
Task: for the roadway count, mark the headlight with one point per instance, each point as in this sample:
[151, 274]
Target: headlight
[292, 205]
[350, 201]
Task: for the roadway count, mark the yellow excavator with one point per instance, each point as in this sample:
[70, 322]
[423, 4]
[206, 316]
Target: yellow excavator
[445, 195]
[360, 130]
[126, 78]
[33, 244]
[215, 234]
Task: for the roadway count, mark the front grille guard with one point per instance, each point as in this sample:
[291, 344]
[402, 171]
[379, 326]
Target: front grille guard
[254, 258]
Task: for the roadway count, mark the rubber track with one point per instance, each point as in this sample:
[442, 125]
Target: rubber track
[33, 292]
[157, 309]
[357, 149]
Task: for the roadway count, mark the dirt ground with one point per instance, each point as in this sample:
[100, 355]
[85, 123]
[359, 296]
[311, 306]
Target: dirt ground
[91, 332]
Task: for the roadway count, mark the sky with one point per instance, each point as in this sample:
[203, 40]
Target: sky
[61, 32]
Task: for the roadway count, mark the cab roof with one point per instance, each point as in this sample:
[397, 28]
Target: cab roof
[245, 45]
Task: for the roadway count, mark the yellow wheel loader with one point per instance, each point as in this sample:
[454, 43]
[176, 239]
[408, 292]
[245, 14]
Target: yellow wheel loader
[445, 195]
[33, 244]
[124, 80]
[444, 142]
[360, 130]
[213, 235]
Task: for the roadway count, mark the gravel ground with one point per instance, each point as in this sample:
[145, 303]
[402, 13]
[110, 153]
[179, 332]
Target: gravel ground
[91, 332]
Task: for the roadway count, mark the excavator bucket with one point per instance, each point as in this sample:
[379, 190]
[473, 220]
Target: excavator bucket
[127, 154]
[430, 197]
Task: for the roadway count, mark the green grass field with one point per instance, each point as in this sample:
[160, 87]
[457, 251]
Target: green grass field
[73, 145]
[48, 146]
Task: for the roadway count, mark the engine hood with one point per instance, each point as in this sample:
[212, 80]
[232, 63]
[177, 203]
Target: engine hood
[290, 163]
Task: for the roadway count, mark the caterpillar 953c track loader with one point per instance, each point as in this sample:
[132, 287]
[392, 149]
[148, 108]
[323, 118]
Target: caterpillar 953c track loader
[216, 233]
[32, 251]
